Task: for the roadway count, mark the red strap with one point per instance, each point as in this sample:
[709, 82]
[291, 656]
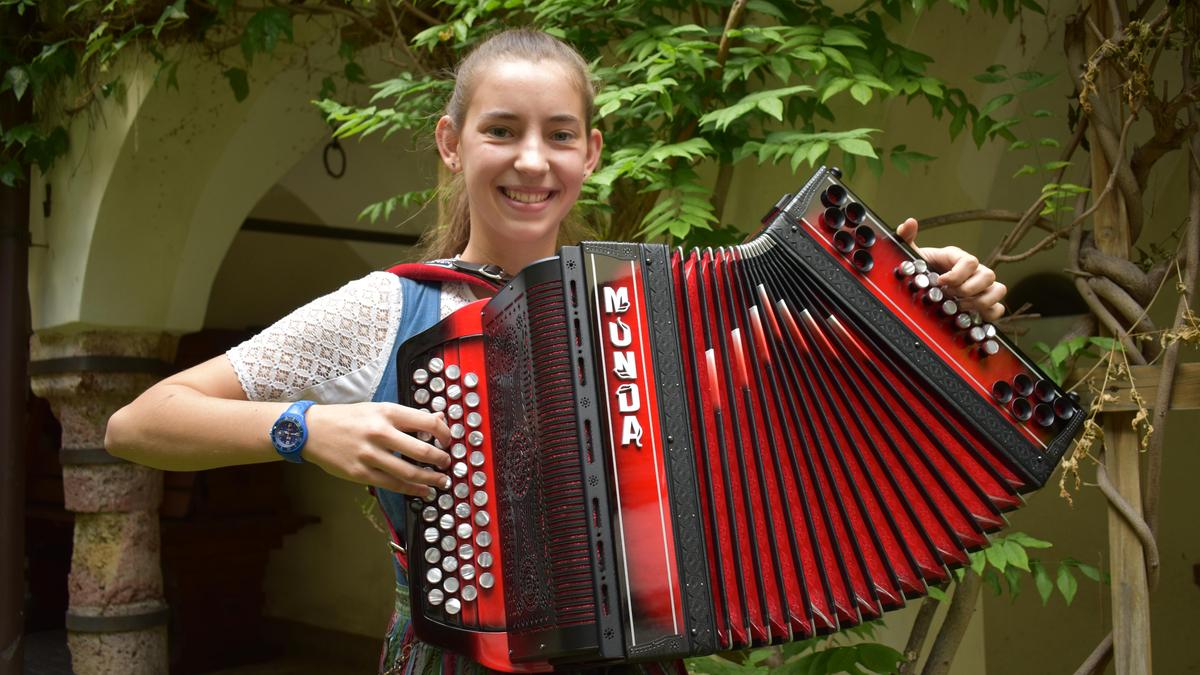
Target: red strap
[432, 272]
[397, 546]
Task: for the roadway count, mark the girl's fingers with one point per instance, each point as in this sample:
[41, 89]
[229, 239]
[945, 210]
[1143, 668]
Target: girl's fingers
[979, 281]
[386, 481]
[953, 264]
[403, 470]
[411, 420]
[908, 231]
[987, 303]
[415, 449]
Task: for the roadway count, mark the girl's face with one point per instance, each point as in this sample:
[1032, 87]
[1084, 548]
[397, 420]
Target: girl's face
[524, 150]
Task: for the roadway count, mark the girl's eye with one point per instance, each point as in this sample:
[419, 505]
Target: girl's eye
[498, 132]
[562, 136]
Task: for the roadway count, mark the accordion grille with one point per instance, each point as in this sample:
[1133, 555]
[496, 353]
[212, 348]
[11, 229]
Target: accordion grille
[547, 561]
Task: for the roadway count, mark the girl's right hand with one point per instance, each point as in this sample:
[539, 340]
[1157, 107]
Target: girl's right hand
[376, 444]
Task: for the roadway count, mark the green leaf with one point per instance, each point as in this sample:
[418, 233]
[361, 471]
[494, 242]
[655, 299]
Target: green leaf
[978, 562]
[1025, 170]
[772, 107]
[328, 88]
[838, 37]
[1026, 540]
[842, 659]
[19, 134]
[17, 79]
[723, 117]
[764, 7]
[355, 73]
[170, 13]
[837, 57]
[1067, 585]
[861, 93]
[996, 556]
[1041, 580]
[992, 105]
[1017, 557]
[1013, 576]
[857, 146]
[263, 30]
[835, 86]
[11, 172]
[992, 578]
[238, 82]
[1089, 571]
[937, 594]
[990, 78]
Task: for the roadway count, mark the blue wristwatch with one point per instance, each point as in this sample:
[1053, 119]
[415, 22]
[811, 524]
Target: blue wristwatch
[290, 431]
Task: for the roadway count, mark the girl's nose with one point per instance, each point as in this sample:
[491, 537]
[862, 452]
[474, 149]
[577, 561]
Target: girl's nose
[532, 157]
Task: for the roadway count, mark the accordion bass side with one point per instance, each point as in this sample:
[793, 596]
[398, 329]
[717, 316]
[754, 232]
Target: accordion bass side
[660, 454]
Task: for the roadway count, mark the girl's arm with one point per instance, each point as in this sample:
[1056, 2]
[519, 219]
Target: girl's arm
[200, 419]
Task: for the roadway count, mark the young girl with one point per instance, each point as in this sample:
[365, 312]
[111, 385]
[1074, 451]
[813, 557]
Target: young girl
[517, 133]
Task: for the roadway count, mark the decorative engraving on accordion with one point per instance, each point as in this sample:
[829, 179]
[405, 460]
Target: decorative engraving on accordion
[686, 452]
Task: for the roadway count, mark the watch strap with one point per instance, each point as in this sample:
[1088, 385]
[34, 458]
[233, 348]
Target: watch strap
[295, 412]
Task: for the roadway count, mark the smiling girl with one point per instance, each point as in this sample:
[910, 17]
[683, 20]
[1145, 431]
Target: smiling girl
[319, 385]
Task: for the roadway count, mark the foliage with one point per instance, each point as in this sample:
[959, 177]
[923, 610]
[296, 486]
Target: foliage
[765, 83]
[849, 651]
[1007, 560]
[1062, 357]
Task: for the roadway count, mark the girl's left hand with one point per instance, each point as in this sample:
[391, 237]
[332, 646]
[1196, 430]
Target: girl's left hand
[973, 283]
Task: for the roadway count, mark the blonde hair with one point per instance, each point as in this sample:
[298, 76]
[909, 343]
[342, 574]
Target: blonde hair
[450, 235]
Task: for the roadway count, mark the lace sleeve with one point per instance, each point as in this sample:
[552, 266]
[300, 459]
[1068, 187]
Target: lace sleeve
[328, 338]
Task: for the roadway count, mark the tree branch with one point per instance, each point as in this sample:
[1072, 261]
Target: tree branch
[1121, 270]
[1094, 303]
[1191, 245]
[1098, 660]
[1001, 215]
[1134, 520]
[1130, 310]
[419, 13]
[954, 626]
[721, 189]
[916, 637]
[731, 22]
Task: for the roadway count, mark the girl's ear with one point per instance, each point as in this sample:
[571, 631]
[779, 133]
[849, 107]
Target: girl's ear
[595, 144]
[447, 142]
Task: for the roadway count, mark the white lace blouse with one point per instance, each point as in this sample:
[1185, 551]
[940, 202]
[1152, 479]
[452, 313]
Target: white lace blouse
[335, 348]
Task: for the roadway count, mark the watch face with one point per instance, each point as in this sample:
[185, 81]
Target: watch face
[287, 434]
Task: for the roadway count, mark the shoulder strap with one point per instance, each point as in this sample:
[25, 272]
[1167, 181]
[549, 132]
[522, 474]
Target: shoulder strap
[482, 277]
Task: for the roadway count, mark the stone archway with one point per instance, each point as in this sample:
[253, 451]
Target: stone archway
[141, 214]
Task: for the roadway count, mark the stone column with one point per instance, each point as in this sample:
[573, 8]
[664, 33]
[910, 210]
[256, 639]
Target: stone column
[117, 617]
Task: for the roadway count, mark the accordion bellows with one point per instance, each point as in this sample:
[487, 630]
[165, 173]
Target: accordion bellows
[663, 453]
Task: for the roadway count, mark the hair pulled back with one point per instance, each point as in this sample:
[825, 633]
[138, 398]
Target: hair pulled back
[450, 236]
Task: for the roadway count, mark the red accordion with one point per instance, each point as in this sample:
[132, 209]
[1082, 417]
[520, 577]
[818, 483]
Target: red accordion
[660, 453]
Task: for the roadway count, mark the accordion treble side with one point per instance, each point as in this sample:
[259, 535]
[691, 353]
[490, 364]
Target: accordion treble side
[667, 453]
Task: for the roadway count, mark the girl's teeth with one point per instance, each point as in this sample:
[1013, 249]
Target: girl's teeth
[527, 197]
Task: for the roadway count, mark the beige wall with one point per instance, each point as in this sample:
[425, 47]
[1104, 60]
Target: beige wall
[336, 574]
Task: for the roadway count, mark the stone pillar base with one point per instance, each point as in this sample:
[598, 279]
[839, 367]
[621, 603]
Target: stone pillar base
[117, 618]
